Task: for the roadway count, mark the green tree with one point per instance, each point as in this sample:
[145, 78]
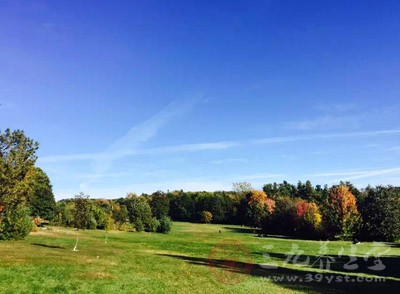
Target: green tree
[182, 206]
[82, 212]
[139, 211]
[63, 214]
[283, 219]
[17, 157]
[165, 225]
[120, 213]
[41, 197]
[306, 191]
[159, 204]
[380, 212]
[108, 224]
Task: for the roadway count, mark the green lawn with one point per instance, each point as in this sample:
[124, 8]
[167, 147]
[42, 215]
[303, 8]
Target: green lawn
[191, 259]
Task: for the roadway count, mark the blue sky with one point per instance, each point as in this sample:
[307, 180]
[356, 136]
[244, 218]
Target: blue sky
[138, 96]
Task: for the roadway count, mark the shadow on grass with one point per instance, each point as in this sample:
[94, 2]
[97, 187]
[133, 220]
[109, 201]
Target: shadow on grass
[259, 233]
[48, 246]
[296, 279]
[243, 230]
[385, 266]
[393, 244]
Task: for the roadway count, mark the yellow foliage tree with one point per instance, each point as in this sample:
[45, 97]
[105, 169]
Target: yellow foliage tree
[342, 213]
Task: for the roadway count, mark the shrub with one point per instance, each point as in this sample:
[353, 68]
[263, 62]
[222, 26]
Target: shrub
[165, 225]
[15, 223]
[92, 224]
[138, 225]
[206, 217]
[154, 225]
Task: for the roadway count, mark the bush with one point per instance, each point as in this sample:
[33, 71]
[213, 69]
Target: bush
[206, 217]
[165, 225]
[15, 223]
[139, 225]
[153, 225]
[92, 224]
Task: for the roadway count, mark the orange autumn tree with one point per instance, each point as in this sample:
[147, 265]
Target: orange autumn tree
[259, 206]
[341, 214]
[307, 217]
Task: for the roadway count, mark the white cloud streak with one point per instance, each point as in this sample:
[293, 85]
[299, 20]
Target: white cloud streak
[326, 136]
[187, 184]
[326, 122]
[138, 134]
[230, 160]
[118, 148]
[355, 175]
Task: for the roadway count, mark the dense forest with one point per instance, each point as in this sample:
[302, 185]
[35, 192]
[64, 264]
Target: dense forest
[301, 210]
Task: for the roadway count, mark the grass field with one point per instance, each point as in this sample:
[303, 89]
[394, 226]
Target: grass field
[191, 259]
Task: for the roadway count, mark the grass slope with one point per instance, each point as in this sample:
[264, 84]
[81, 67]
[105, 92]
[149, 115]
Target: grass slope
[180, 263]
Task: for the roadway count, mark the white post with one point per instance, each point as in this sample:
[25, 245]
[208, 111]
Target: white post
[76, 244]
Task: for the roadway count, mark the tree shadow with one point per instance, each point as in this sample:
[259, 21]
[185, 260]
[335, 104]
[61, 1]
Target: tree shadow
[393, 244]
[294, 237]
[48, 246]
[384, 266]
[297, 279]
[258, 232]
[243, 230]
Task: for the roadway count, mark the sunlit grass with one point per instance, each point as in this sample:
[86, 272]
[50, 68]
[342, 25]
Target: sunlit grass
[178, 262]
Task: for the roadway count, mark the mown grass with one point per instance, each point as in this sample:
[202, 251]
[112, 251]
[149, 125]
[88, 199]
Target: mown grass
[191, 259]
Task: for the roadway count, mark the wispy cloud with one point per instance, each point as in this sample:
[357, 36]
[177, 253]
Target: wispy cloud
[187, 184]
[330, 116]
[230, 160]
[148, 129]
[356, 174]
[117, 152]
[258, 176]
[394, 148]
[138, 134]
[337, 107]
[326, 122]
[111, 156]
[326, 136]
[345, 116]
[129, 144]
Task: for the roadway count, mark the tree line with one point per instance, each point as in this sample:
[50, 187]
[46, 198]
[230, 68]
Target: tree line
[337, 212]
[302, 210]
